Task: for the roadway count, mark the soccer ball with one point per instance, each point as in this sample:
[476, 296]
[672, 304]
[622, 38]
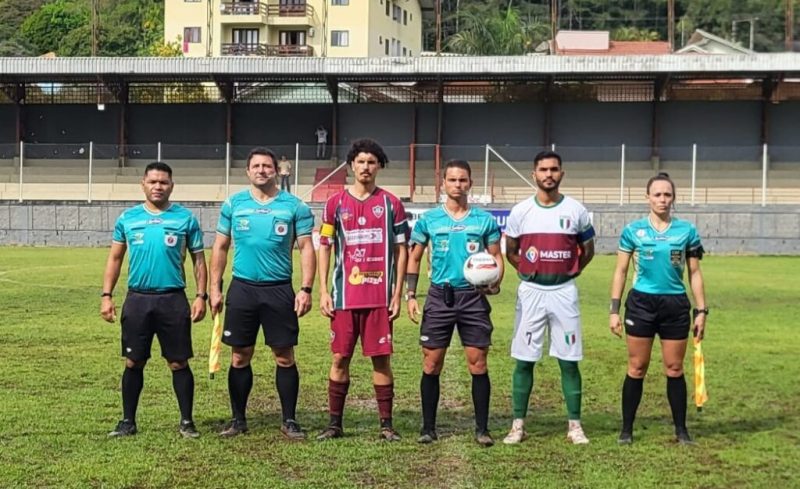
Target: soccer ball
[481, 269]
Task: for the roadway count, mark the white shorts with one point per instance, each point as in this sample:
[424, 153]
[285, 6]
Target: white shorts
[554, 309]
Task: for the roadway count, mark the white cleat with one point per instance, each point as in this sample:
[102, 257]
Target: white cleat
[517, 433]
[577, 436]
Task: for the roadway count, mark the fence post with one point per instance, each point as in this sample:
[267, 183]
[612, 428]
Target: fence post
[21, 164]
[622, 176]
[694, 170]
[227, 169]
[296, 165]
[764, 165]
[158, 151]
[412, 171]
[91, 161]
[486, 172]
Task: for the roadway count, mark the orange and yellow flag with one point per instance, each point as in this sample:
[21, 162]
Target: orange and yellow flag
[216, 347]
[700, 393]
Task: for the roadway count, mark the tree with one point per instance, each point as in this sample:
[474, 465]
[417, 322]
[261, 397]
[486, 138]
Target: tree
[634, 34]
[47, 27]
[487, 30]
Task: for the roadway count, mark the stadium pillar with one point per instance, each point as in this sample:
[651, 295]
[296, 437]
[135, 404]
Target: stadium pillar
[768, 86]
[333, 88]
[659, 90]
[547, 113]
[123, 123]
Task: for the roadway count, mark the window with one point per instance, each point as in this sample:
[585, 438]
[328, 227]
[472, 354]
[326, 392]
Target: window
[191, 1]
[396, 13]
[340, 38]
[380, 40]
[404, 51]
[388, 7]
[191, 34]
[244, 36]
[411, 17]
[340, 2]
[292, 38]
[387, 47]
[405, 17]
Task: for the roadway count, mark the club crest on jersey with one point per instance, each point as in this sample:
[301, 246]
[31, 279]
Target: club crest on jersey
[565, 222]
[170, 240]
[378, 211]
[281, 228]
[640, 233]
[570, 338]
[345, 214]
[473, 246]
[532, 254]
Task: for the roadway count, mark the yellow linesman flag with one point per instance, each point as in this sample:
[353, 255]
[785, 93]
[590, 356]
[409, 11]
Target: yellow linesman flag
[216, 346]
[700, 394]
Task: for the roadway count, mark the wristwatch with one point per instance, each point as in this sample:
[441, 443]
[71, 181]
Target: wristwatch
[203, 296]
[106, 294]
[307, 290]
[696, 311]
[411, 295]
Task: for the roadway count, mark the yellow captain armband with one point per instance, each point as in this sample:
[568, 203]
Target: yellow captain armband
[327, 230]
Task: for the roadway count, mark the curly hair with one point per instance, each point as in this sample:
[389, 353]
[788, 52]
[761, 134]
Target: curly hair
[367, 146]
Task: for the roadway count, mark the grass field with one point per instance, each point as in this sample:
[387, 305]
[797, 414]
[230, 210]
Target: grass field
[60, 374]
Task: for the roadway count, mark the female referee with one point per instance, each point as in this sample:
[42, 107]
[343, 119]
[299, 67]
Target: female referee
[661, 246]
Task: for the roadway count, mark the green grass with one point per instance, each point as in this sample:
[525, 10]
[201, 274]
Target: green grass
[60, 396]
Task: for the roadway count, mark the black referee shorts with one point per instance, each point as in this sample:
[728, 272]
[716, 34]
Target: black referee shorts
[665, 315]
[249, 306]
[165, 315]
[470, 314]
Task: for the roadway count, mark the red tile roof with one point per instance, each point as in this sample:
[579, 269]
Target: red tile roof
[622, 48]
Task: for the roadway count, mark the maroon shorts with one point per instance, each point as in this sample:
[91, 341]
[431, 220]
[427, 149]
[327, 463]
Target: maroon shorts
[372, 325]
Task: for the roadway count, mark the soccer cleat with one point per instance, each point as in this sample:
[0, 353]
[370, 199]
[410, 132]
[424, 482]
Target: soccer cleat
[576, 435]
[125, 427]
[484, 439]
[625, 438]
[235, 427]
[427, 436]
[332, 431]
[187, 429]
[683, 438]
[389, 434]
[517, 433]
[291, 430]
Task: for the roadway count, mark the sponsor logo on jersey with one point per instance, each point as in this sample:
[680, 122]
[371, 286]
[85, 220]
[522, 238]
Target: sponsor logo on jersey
[170, 240]
[155, 220]
[457, 228]
[565, 222]
[243, 224]
[377, 211]
[442, 245]
[473, 246]
[362, 220]
[281, 228]
[367, 277]
[357, 255]
[345, 214]
[363, 236]
[263, 211]
[555, 255]
[373, 259]
[138, 238]
[532, 254]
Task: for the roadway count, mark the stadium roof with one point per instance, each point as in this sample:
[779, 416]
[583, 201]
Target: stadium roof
[19, 70]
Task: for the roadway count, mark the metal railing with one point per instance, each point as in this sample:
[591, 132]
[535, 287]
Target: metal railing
[242, 49]
[243, 8]
[501, 174]
[296, 10]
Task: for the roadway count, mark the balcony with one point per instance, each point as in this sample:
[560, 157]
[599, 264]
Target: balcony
[243, 12]
[290, 15]
[231, 49]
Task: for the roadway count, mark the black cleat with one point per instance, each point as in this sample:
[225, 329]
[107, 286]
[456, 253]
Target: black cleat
[187, 429]
[125, 427]
[484, 439]
[332, 431]
[625, 438]
[683, 438]
[427, 436]
[235, 427]
[292, 431]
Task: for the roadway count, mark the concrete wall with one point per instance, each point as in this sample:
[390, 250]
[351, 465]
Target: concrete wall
[8, 123]
[729, 229]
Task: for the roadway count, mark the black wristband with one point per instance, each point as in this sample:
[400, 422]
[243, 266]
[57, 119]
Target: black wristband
[203, 296]
[614, 306]
[307, 290]
[411, 282]
[106, 294]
